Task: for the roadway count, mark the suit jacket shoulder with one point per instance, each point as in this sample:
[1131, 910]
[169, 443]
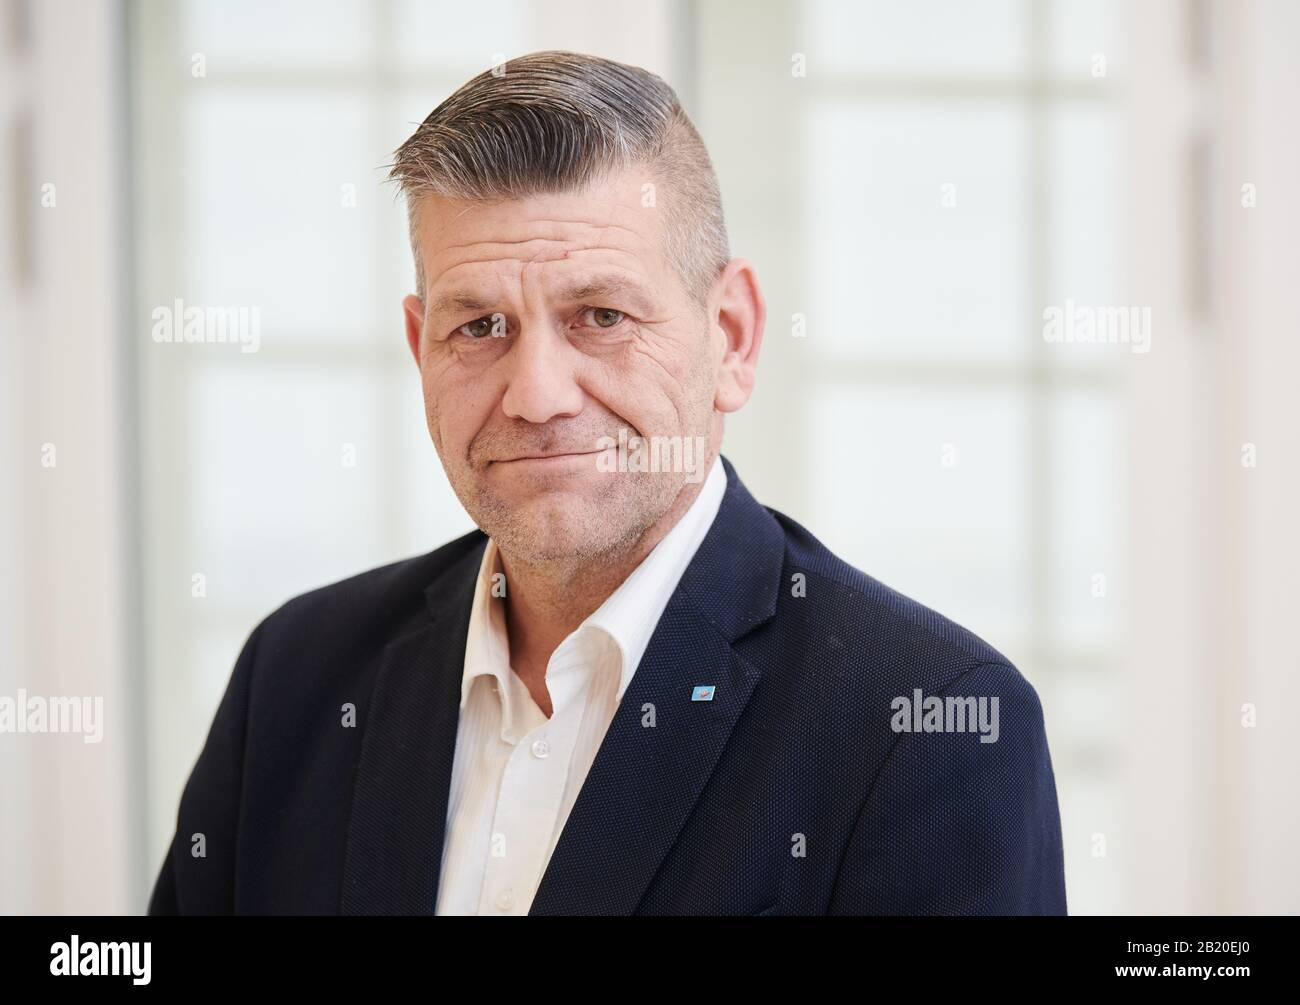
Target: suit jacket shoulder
[323, 784]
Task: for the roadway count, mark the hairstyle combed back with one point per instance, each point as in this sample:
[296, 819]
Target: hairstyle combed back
[555, 122]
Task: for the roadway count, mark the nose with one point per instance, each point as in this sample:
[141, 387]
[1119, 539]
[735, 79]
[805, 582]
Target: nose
[540, 383]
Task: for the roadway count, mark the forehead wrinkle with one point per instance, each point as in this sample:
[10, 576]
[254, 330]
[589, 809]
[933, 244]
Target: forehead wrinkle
[569, 255]
[635, 274]
[602, 230]
[592, 282]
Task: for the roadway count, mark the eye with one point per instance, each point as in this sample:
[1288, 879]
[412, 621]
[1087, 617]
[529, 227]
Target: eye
[482, 327]
[604, 317]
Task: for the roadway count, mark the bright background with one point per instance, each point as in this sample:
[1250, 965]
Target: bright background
[942, 172]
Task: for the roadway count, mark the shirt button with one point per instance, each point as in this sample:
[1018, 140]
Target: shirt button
[541, 748]
[506, 899]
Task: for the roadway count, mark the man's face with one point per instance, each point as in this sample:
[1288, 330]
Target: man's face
[548, 324]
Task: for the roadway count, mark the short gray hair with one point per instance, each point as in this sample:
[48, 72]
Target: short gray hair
[555, 121]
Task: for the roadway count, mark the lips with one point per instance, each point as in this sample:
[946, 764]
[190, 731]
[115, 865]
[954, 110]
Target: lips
[546, 457]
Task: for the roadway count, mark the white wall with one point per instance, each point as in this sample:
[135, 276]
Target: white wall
[71, 826]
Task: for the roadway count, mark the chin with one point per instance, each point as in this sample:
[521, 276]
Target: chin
[568, 519]
[552, 525]
[565, 526]
[551, 543]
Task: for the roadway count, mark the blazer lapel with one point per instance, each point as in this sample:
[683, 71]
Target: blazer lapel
[655, 760]
[399, 797]
[661, 746]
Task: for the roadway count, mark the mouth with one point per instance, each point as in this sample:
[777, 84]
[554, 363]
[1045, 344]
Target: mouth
[548, 459]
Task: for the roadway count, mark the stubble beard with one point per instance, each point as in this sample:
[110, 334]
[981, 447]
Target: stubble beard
[613, 512]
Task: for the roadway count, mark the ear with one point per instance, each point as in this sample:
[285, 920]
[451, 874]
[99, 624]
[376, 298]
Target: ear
[739, 314]
[413, 308]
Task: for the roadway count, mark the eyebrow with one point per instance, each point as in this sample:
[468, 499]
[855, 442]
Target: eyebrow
[613, 285]
[583, 289]
[456, 302]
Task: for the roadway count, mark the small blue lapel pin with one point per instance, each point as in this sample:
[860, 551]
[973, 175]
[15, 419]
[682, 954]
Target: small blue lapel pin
[702, 692]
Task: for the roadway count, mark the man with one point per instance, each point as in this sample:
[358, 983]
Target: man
[634, 690]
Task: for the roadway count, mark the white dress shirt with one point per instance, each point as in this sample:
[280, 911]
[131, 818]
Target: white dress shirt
[517, 773]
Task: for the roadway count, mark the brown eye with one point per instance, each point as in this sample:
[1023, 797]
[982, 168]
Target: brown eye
[478, 328]
[606, 317]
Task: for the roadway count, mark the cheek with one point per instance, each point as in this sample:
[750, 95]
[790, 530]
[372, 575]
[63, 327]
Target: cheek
[433, 379]
[637, 389]
[456, 405]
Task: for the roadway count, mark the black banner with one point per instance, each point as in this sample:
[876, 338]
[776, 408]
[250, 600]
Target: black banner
[335, 954]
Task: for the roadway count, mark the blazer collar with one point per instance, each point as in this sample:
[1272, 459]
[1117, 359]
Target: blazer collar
[661, 746]
[657, 755]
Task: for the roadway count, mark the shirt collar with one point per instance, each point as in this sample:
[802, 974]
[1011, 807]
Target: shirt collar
[628, 616]
[486, 649]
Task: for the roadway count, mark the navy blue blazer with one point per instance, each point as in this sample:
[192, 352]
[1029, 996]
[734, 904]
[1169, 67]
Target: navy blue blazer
[796, 790]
